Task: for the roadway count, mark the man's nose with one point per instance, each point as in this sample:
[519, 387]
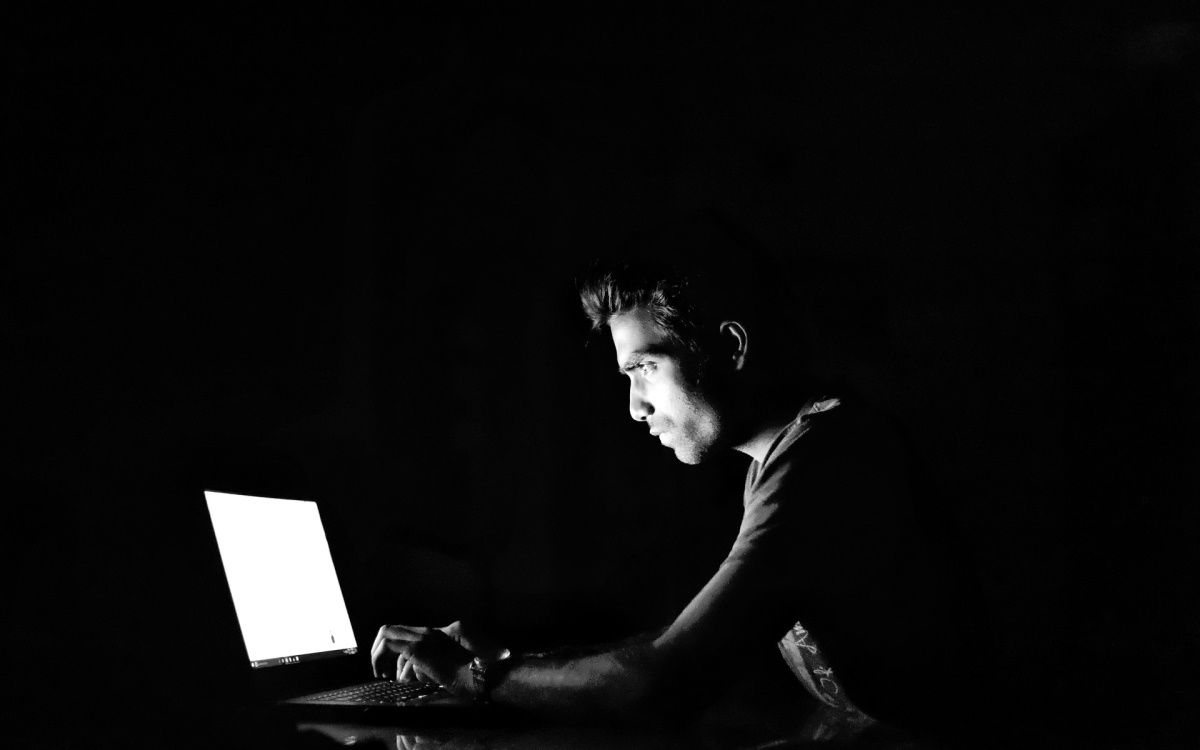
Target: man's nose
[639, 408]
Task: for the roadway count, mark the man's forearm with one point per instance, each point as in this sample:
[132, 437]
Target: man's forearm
[563, 653]
[623, 681]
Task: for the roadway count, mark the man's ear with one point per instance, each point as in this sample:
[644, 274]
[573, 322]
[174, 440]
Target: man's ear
[734, 342]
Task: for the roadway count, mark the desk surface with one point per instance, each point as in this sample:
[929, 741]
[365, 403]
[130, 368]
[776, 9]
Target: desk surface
[317, 735]
[739, 723]
[259, 729]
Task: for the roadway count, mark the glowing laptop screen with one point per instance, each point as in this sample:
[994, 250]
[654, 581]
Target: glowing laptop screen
[281, 576]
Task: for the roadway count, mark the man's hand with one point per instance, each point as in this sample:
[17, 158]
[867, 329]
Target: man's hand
[409, 654]
[476, 641]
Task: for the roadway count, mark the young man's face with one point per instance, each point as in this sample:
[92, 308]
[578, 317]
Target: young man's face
[679, 413]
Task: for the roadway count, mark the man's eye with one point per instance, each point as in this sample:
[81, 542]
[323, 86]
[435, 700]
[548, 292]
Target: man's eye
[646, 368]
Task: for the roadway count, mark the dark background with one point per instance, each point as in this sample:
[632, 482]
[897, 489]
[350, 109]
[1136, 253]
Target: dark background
[332, 257]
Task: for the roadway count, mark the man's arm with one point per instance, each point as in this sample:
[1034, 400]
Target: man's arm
[563, 653]
[714, 635]
[612, 681]
[623, 681]
[707, 640]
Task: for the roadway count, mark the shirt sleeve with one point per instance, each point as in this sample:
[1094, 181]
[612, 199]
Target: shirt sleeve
[749, 599]
[817, 535]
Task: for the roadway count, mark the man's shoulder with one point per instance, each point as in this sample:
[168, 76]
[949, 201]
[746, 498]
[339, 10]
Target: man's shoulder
[838, 486]
[837, 431]
[847, 447]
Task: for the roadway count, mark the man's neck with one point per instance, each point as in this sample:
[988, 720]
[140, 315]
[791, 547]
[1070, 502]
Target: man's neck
[768, 428]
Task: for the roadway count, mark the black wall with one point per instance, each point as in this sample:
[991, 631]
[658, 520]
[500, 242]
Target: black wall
[333, 258]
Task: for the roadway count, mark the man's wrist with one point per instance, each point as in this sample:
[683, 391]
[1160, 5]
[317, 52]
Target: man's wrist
[465, 681]
[484, 674]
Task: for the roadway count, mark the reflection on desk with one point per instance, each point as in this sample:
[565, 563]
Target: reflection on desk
[510, 738]
[570, 737]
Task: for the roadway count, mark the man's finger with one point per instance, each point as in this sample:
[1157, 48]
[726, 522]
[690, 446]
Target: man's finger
[401, 633]
[382, 653]
[393, 639]
[378, 638]
[414, 669]
[405, 669]
[404, 632]
[422, 674]
[377, 653]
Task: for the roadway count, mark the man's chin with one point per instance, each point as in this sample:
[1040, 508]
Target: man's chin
[689, 457]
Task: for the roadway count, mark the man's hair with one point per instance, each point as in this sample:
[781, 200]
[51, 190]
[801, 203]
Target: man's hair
[689, 275]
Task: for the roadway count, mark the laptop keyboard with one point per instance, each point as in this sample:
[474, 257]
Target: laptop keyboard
[380, 693]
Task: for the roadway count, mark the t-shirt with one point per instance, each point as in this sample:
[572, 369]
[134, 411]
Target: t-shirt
[831, 564]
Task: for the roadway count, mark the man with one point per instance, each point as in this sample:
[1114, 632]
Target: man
[830, 563]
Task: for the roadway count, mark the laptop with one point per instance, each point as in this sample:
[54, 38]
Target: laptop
[300, 645]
